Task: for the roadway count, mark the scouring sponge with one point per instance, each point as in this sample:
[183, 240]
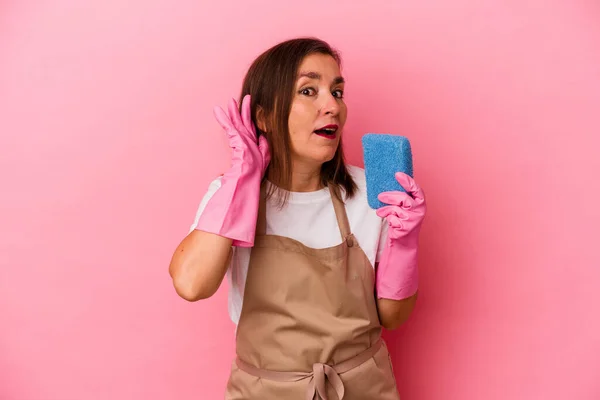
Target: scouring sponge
[384, 155]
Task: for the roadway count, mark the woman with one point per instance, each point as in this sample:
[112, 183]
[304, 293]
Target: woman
[290, 226]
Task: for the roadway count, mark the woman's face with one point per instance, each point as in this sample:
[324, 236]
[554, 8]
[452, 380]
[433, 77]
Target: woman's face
[318, 111]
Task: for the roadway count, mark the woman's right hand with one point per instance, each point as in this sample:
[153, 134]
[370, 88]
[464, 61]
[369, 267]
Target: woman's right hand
[242, 139]
[229, 217]
[233, 209]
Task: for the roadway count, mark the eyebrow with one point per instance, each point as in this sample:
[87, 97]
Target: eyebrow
[317, 76]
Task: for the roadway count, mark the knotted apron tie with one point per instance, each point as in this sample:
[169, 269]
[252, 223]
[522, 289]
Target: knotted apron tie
[319, 376]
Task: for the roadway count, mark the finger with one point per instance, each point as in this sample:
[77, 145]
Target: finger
[396, 225]
[234, 116]
[263, 146]
[246, 113]
[387, 211]
[222, 118]
[397, 198]
[395, 222]
[409, 184]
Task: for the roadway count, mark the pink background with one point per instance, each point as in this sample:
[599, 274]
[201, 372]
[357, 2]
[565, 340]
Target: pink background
[108, 144]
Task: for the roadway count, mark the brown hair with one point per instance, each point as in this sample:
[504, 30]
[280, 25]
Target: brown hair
[270, 81]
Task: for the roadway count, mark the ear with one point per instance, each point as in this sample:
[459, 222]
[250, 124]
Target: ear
[261, 122]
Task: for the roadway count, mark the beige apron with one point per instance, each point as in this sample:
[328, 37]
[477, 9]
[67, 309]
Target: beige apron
[309, 328]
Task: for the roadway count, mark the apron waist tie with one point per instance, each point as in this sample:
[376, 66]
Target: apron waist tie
[317, 386]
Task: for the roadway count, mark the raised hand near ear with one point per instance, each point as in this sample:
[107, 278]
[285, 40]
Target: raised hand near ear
[232, 211]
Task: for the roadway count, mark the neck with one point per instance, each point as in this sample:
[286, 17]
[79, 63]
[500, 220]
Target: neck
[305, 178]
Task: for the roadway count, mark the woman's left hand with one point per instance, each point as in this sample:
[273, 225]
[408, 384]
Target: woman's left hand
[397, 273]
[405, 210]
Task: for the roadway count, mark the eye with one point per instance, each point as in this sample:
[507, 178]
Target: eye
[339, 93]
[307, 91]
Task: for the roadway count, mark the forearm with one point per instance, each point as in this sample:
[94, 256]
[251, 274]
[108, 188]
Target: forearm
[393, 313]
[397, 273]
[199, 264]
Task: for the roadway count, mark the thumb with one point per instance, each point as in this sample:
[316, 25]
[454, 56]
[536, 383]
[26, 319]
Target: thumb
[411, 187]
[263, 146]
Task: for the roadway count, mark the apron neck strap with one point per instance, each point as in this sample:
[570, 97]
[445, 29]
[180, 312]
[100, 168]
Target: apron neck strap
[340, 211]
[338, 206]
[261, 222]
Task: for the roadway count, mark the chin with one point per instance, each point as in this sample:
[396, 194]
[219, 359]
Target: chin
[319, 154]
[326, 157]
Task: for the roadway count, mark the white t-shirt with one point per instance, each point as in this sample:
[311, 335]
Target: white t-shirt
[308, 217]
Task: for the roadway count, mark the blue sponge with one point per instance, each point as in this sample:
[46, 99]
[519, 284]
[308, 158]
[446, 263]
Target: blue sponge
[384, 155]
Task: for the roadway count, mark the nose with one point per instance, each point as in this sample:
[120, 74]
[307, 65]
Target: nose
[331, 105]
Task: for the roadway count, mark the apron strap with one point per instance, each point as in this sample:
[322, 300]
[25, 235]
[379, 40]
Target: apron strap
[340, 211]
[261, 222]
[319, 377]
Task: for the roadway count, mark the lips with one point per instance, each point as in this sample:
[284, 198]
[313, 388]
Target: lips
[327, 131]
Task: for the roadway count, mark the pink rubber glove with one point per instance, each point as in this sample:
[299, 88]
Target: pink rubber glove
[233, 210]
[397, 274]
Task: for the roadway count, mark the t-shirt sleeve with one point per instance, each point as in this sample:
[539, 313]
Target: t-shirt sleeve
[382, 239]
[212, 189]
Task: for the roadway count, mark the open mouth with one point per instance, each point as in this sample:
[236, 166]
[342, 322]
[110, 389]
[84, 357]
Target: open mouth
[328, 131]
